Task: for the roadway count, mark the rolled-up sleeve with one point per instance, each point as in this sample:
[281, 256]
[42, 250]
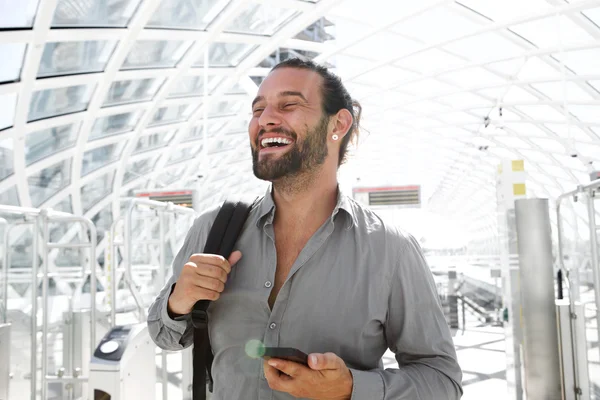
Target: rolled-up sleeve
[166, 332]
[419, 336]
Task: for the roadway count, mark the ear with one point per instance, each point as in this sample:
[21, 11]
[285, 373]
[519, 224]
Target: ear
[341, 124]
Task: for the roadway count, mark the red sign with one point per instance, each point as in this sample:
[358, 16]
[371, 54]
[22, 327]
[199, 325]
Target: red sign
[385, 189]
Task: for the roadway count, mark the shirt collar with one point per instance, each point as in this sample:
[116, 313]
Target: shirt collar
[266, 208]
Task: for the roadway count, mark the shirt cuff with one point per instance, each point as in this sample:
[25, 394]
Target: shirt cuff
[366, 385]
[179, 324]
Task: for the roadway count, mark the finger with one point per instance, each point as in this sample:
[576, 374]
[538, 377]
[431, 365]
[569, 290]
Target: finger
[235, 257]
[210, 283]
[199, 293]
[290, 368]
[271, 374]
[211, 259]
[318, 361]
[276, 379]
[211, 271]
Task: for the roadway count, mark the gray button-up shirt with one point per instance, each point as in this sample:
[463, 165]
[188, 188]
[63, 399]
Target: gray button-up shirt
[359, 287]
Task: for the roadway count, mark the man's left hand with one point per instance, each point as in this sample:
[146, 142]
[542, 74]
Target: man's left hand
[325, 378]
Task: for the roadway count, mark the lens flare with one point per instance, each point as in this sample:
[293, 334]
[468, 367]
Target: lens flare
[255, 348]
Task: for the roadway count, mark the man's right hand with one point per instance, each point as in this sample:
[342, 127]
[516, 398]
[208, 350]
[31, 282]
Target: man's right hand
[203, 277]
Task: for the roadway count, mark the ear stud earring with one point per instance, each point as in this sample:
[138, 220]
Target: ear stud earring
[335, 137]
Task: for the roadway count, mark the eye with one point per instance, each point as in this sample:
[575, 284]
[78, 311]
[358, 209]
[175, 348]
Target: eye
[289, 105]
[257, 111]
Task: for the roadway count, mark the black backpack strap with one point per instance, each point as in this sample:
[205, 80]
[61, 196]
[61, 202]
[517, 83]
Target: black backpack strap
[221, 240]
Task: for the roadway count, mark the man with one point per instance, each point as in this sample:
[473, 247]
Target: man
[314, 270]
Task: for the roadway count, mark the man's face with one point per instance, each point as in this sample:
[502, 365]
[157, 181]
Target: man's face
[288, 130]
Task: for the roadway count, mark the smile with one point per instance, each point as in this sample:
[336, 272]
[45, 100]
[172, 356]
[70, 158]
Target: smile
[273, 142]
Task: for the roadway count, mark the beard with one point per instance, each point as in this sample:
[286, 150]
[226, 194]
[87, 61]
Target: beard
[304, 156]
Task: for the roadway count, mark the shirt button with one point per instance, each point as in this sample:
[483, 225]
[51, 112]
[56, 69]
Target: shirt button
[268, 284]
[273, 325]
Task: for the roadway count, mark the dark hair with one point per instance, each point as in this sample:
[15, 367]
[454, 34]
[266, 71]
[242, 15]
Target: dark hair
[335, 97]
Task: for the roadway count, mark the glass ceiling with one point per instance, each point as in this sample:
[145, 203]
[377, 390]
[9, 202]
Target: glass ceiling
[97, 96]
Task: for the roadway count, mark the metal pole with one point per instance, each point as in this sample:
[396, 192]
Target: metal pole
[34, 283]
[161, 279]
[5, 265]
[595, 259]
[45, 240]
[114, 261]
[127, 243]
[93, 243]
[540, 336]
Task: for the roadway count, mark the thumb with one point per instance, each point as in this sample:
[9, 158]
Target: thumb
[235, 257]
[327, 361]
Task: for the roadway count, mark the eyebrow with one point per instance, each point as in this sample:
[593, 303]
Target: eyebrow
[282, 94]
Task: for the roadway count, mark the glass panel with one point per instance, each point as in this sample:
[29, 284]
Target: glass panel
[509, 9]
[17, 14]
[257, 19]
[53, 102]
[122, 92]
[156, 53]
[169, 114]
[184, 153]
[196, 132]
[115, 124]
[542, 32]
[96, 190]
[593, 14]
[6, 158]
[10, 197]
[103, 221]
[43, 143]
[137, 169]
[236, 89]
[101, 13]
[225, 108]
[582, 62]
[58, 230]
[154, 141]
[239, 126]
[12, 60]
[421, 25]
[194, 86]
[186, 14]
[225, 54]
[8, 103]
[49, 181]
[64, 205]
[101, 156]
[63, 58]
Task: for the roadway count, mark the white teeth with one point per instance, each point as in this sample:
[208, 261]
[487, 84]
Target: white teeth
[266, 141]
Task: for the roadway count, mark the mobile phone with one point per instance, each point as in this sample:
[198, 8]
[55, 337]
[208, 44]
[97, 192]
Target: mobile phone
[286, 353]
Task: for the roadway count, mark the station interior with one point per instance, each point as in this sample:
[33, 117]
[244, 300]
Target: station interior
[121, 121]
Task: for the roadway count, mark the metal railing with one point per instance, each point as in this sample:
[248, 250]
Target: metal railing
[160, 210]
[41, 218]
[588, 191]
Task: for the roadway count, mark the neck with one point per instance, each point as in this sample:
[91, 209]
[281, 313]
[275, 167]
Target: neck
[307, 198]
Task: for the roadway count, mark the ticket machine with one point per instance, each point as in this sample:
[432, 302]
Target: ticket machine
[123, 365]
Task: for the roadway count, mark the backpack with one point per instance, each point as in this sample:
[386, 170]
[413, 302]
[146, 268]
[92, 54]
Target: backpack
[221, 240]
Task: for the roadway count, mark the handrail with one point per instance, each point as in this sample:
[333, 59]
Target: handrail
[5, 262]
[42, 218]
[47, 216]
[589, 190]
[132, 204]
[33, 279]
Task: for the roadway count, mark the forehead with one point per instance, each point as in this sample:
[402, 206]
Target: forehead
[291, 79]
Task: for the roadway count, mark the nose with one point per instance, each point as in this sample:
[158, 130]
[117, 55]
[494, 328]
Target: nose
[269, 118]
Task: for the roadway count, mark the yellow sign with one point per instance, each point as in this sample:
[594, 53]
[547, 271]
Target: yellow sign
[519, 189]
